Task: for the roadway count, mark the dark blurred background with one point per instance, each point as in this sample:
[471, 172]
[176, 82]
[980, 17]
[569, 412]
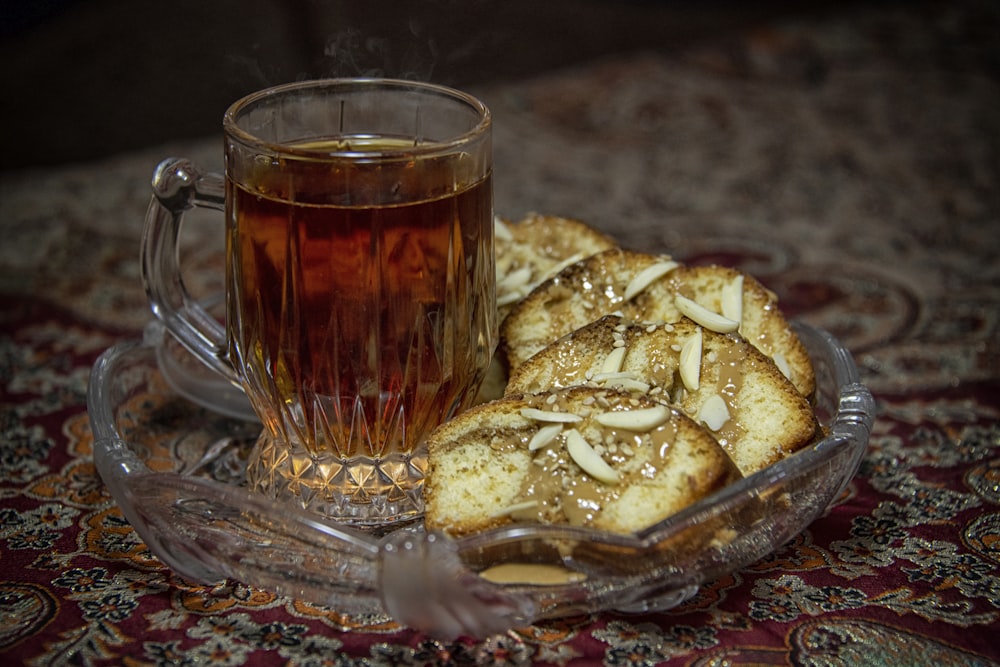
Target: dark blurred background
[87, 78]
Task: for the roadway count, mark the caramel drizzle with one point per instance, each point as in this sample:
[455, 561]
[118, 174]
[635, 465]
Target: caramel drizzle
[556, 490]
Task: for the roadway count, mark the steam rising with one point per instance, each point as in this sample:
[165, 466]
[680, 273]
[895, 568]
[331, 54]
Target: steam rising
[426, 40]
[352, 53]
[419, 46]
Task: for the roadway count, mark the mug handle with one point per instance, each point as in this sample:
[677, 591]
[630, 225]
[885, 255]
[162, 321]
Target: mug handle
[179, 186]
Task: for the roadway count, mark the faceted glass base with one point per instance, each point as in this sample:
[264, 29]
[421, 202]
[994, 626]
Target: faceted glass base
[361, 491]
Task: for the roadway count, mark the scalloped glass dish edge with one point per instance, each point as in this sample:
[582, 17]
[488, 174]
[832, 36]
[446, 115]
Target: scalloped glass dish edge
[209, 530]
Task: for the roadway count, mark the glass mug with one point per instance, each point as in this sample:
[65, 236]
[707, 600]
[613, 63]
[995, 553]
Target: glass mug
[360, 286]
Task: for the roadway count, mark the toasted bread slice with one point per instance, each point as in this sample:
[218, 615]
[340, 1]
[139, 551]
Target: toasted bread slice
[719, 380]
[582, 456]
[580, 293]
[650, 288]
[535, 248]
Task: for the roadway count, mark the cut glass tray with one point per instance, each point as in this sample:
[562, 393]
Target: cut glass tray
[172, 454]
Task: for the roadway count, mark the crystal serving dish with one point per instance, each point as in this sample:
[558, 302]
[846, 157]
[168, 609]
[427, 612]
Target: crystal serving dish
[172, 451]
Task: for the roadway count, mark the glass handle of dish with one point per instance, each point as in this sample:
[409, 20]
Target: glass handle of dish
[178, 186]
[426, 587]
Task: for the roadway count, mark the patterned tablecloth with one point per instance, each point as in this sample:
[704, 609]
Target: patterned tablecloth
[852, 164]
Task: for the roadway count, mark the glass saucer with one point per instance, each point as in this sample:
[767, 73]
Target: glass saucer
[174, 463]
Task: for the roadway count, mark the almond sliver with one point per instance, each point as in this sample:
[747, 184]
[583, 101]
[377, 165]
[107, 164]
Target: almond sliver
[714, 413]
[690, 361]
[640, 421]
[648, 276]
[705, 317]
[516, 507]
[613, 362]
[550, 416]
[732, 299]
[544, 436]
[590, 461]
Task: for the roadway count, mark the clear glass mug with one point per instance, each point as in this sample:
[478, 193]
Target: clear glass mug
[360, 286]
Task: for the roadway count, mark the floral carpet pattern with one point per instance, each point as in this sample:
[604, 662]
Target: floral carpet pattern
[852, 164]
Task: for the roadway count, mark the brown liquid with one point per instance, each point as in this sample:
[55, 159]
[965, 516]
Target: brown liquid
[361, 302]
